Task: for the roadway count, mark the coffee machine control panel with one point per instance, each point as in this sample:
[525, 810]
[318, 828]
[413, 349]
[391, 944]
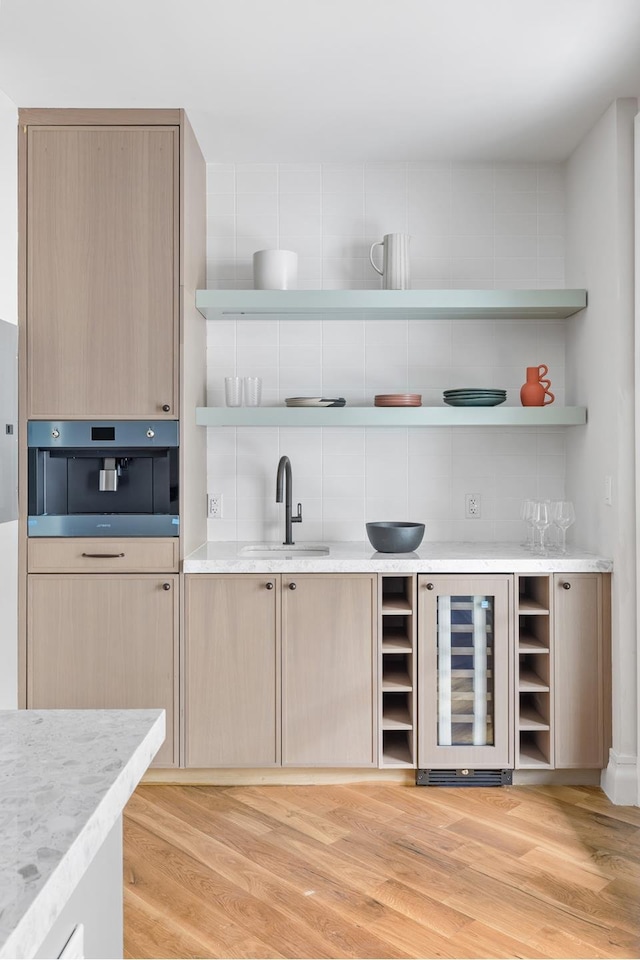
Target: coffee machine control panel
[119, 433]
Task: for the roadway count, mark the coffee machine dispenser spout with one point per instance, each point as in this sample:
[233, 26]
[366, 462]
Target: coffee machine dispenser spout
[109, 475]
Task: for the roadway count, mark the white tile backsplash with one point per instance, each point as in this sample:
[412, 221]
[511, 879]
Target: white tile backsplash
[479, 226]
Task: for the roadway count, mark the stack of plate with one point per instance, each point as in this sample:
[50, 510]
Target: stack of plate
[474, 397]
[398, 400]
[315, 401]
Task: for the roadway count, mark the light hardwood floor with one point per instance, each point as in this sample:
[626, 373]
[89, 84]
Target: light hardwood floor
[380, 871]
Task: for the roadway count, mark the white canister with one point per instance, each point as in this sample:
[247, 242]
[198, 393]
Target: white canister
[275, 270]
[395, 261]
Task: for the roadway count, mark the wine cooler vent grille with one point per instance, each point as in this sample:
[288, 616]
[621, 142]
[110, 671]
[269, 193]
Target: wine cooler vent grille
[463, 778]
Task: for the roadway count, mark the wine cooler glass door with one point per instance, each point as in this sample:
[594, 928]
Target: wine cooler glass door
[464, 672]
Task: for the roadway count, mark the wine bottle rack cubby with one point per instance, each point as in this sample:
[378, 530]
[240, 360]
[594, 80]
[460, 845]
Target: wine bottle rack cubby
[397, 659]
[534, 674]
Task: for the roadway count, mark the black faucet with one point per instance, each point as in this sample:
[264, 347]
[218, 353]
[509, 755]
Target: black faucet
[284, 470]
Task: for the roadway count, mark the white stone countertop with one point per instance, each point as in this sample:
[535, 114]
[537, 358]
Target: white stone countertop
[360, 557]
[65, 777]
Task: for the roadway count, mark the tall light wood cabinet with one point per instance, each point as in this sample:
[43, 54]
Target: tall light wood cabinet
[112, 247]
[329, 669]
[232, 671]
[102, 282]
[105, 641]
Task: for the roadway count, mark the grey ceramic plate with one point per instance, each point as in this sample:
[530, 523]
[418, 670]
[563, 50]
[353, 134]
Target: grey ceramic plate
[475, 393]
[474, 401]
[475, 396]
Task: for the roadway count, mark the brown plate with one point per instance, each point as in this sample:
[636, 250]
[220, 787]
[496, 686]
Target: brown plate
[398, 396]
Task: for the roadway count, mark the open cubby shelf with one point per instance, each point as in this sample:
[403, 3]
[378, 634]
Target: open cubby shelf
[534, 693]
[528, 643]
[529, 681]
[397, 671]
[534, 751]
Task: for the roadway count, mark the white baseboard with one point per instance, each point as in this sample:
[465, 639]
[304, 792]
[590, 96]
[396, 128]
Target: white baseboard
[620, 779]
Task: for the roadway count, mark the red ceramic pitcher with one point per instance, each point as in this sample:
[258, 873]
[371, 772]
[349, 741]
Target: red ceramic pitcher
[535, 392]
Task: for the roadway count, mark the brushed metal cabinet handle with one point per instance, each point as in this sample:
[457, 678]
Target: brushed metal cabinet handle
[166, 407]
[292, 586]
[269, 585]
[166, 586]
[104, 556]
[566, 585]
[430, 586]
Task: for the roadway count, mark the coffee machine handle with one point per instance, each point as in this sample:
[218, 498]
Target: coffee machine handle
[378, 243]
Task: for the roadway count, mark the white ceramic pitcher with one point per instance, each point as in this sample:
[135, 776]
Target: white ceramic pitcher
[395, 260]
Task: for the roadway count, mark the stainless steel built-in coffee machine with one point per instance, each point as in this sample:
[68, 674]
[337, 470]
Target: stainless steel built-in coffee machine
[117, 478]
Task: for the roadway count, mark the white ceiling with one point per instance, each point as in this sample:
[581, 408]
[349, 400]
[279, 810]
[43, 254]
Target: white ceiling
[289, 80]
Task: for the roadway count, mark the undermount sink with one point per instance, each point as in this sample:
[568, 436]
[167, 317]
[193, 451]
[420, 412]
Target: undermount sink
[262, 551]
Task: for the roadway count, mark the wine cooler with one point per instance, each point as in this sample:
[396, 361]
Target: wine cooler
[464, 654]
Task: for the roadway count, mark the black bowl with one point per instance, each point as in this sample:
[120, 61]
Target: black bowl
[395, 537]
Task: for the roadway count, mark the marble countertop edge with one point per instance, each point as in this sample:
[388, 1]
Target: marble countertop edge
[41, 913]
[359, 557]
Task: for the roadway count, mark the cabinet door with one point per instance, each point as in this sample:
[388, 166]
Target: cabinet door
[104, 641]
[328, 682]
[579, 670]
[232, 682]
[464, 672]
[102, 260]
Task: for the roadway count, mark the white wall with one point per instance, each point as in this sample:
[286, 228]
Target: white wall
[477, 226]
[9, 312]
[600, 374]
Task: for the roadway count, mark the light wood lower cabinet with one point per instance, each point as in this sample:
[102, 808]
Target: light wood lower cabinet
[562, 671]
[328, 664]
[232, 671]
[581, 669]
[280, 669]
[105, 641]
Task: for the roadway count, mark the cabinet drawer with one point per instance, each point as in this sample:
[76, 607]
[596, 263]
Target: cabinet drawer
[83, 555]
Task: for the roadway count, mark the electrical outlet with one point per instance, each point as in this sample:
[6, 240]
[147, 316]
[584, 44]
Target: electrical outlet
[472, 506]
[214, 506]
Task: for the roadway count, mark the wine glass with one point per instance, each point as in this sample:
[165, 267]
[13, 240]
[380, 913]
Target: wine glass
[526, 513]
[541, 521]
[563, 516]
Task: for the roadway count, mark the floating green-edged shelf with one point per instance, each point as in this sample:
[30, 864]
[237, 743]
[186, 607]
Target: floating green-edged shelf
[549, 416]
[390, 304]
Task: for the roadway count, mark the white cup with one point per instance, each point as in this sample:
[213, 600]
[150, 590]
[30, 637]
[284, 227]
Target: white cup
[275, 270]
[395, 261]
[252, 391]
[233, 391]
